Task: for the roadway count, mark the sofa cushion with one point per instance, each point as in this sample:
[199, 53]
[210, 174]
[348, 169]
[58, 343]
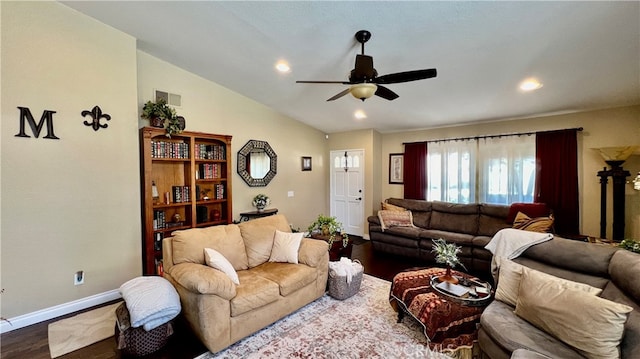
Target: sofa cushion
[411, 204]
[285, 247]
[217, 261]
[461, 239]
[188, 245]
[510, 277]
[513, 332]
[454, 217]
[290, 277]
[391, 218]
[492, 219]
[253, 292]
[630, 346]
[258, 237]
[537, 224]
[572, 316]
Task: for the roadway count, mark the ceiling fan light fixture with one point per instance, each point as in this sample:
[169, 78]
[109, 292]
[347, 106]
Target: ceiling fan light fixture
[363, 91]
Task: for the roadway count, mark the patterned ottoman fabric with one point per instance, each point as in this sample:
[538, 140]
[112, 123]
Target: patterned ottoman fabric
[447, 324]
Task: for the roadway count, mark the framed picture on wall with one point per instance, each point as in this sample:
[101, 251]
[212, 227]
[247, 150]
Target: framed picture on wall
[306, 163]
[396, 168]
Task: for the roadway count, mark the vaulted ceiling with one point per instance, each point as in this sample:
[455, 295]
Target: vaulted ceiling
[586, 55]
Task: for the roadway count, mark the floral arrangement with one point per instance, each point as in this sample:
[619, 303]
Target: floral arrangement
[446, 253]
[328, 226]
[260, 201]
[630, 245]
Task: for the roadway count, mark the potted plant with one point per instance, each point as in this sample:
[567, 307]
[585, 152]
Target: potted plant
[328, 226]
[161, 115]
[260, 201]
[447, 253]
[630, 245]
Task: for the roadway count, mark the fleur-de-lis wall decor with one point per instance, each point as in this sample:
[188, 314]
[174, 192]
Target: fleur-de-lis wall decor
[96, 114]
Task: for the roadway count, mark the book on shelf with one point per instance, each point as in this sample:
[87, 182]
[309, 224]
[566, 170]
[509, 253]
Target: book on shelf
[159, 267]
[208, 171]
[166, 149]
[210, 152]
[181, 194]
[159, 219]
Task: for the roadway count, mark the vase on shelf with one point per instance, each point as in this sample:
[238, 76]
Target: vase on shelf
[260, 208]
[448, 277]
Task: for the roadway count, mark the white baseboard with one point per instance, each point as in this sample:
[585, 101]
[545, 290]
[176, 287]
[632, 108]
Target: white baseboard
[24, 320]
[366, 236]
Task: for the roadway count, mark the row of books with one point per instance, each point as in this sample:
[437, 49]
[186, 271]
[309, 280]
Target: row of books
[209, 171]
[166, 149]
[159, 220]
[218, 191]
[210, 152]
[157, 241]
[181, 194]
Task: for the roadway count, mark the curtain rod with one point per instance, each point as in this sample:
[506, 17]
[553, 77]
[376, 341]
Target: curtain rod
[579, 129]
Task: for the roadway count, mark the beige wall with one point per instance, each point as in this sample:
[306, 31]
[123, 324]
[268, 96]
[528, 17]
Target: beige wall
[74, 204]
[208, 107]
[604, 128]
[69, 204]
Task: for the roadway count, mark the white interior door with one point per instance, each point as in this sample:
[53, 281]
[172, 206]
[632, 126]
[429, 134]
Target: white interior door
[347, 189]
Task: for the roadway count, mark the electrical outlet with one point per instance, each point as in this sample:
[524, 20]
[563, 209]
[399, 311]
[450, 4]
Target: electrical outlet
[78, 277]
[290, 194]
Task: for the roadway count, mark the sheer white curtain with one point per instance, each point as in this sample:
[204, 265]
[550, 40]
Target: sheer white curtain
[451, 171]
[494, 170]
[506, 169]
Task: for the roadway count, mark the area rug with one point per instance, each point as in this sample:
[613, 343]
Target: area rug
[84, 329]
[363, 326]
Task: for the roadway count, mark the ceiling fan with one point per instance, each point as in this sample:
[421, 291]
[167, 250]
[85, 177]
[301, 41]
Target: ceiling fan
[364, 79]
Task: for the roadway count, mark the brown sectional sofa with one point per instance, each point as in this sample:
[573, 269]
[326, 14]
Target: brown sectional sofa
[470, 226]
[610, 268]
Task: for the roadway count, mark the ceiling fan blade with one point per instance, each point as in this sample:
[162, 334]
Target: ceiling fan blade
[339, 95]
[386, 94]
[405, 76]
[363, 69]
[324, 82]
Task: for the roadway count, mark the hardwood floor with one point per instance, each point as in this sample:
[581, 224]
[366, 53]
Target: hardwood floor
[32, 343]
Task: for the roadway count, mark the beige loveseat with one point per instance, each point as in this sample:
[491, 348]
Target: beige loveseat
[221, 312]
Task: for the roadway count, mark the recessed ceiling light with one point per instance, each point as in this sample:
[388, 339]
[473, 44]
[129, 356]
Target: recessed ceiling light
[360, 115]
[282, 66]
[530, 84]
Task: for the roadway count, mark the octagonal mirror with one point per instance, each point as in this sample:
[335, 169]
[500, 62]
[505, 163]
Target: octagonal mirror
[257, 163]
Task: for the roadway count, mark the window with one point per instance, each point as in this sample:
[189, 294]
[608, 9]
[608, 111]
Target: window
[494, 170]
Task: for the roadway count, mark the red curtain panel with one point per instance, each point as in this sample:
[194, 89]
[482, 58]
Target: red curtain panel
[415, 170]
[557, 177]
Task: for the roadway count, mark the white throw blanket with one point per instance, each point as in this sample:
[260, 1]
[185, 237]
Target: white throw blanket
[510, 243]
[151, 301]
[345, 267]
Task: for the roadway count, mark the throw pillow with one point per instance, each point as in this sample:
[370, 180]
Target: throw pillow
[530, 209]
[539, 224]
[216, 260]
[510, 277]
[391, 207]
[592, 325]
[285, 247]
[390, 218]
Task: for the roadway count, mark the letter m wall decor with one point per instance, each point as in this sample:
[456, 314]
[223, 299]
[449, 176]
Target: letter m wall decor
[47, 117]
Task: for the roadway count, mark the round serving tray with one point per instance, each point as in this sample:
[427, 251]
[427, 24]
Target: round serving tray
[480, 299]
